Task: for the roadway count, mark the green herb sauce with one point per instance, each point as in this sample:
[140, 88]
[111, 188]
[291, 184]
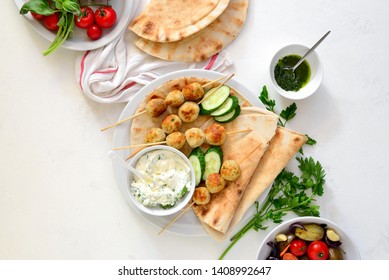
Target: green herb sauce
[285, 78]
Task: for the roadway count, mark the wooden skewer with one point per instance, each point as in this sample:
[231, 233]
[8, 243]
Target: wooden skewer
[239, 131]
[176, 218]
[124, 120]
[164, 142]
[214, 90]
[139, 145]
[135, 152]
[144, 111]
[211, 82]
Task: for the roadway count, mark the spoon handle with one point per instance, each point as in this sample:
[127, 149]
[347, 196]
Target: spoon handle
[310, 50]
[121, 161]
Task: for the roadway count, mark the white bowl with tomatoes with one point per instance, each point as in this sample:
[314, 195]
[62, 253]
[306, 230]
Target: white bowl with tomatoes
[308, 238]
[109, 21]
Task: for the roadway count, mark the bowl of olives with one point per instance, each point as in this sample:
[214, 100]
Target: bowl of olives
[308, 238]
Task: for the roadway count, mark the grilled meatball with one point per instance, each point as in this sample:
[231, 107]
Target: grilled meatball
[155, 134]
[230, 170]
[195, 137]
[215, 183]
[156, 107]
[171, 123]
[175, 140]
[201, 196]
[175, 98]
[215, 134]
[189, 111]
[193, 92]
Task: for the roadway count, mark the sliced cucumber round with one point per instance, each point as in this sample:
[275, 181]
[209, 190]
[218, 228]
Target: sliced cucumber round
[229, 117]
[196, 158]
[228, 106]
[213, 161]
[215, 100]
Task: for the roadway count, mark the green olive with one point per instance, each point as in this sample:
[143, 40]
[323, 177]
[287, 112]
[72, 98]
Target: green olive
[335, 254]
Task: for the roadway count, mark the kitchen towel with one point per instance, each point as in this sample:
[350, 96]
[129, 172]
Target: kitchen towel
[116, 72]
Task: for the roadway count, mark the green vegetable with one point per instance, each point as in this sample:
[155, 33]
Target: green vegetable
[229, 105]
[213, 161]
[229, 117]
[197, 160]
[67, 10]
[215, 100]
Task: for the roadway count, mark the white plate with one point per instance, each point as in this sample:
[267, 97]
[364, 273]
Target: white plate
[80, 40]
[188, 224]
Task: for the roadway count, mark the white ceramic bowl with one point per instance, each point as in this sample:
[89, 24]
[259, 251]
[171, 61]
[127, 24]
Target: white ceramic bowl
[80, 40]
[348, 245]
[181, 203]
[316, 72]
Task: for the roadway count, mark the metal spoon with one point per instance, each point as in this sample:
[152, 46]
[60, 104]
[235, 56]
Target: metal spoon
[292, 69]
[138, 174]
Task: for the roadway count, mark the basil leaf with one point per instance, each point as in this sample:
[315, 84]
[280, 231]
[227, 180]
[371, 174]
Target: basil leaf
[40, 7]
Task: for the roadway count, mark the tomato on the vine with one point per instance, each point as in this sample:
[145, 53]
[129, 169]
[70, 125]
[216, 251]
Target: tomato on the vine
[87, 18]
[318, 250]
[298, 247]
[51, 22]
[94, 32]
[105, 16]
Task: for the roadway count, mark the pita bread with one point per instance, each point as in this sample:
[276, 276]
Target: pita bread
[205, 43]
[144, 122]
[282, 148]
[246, 149]
[172, 20]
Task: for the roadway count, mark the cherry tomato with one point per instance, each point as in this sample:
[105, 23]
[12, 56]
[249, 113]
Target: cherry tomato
[37, 16]
[51, 22]
[105, 17]
[87, 18]
[94, 32]
[318, 250]
[298, 247]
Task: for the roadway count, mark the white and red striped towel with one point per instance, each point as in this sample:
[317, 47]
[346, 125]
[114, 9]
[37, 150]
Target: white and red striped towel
[116, 72]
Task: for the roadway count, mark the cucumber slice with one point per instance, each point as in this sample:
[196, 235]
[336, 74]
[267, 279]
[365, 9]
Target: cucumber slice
[229, 105]
[196, 158]
[229, 117]
[215, 100]
[213, 161]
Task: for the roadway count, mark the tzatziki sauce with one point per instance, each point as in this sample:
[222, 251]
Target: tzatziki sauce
[171, 179]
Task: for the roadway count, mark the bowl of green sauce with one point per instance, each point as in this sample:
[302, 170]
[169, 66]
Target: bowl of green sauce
[305, 80]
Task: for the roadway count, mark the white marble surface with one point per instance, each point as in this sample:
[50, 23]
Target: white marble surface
[58, 195]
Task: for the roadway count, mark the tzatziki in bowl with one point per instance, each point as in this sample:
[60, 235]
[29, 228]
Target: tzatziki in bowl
[168, 184]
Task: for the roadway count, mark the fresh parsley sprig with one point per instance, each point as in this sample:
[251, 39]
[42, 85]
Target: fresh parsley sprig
[287, 114]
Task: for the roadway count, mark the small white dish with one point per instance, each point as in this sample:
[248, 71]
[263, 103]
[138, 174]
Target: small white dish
[348, 245]
[181, 203]
[316, 72]
[80, 40]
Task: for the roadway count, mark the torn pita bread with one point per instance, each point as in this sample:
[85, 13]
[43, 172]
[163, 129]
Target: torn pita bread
[172, 20]
[205, 43]
[283, 147]
[246, 149]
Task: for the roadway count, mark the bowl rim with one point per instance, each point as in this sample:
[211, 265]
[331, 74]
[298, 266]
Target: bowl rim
[309, 219]
[295, 95]
[182, 202]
